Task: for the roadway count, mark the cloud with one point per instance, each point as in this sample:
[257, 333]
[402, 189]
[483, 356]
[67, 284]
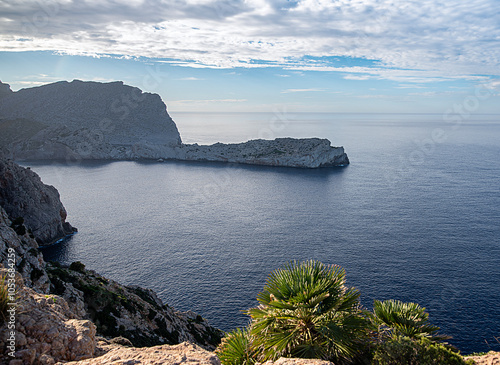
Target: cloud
[190, 79]
[411, 41]
[301, 90]
[203, 101]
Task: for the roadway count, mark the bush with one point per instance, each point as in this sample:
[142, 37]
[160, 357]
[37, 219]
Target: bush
[394, 318]
[402, 350]
[236, 348]
[4, 299]
[77, 266]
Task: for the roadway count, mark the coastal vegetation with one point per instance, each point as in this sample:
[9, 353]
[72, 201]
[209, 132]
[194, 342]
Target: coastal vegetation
[307, 311]
[4, 299]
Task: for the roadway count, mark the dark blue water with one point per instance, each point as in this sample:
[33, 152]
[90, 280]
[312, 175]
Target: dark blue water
[414, 217]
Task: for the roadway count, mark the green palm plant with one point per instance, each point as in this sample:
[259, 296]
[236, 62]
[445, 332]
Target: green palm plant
[395, 318]
[307, 311]
[236, 349]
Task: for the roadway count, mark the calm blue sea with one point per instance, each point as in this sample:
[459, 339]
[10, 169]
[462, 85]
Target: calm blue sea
[415, 216]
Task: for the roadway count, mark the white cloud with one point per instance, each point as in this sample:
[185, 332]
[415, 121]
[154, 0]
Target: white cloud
[412, 41]
[301, 90]
[203, 101]
[190, 79]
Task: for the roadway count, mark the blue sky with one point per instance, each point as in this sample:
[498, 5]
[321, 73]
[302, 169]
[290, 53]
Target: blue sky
[255, 55]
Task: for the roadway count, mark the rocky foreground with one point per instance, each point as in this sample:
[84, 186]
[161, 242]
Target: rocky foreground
[79, 120]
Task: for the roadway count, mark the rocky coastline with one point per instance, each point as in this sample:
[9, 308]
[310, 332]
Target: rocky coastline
[63, 313]
[80, 120]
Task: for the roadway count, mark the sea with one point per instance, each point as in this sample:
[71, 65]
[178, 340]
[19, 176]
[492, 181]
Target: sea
[415, 216]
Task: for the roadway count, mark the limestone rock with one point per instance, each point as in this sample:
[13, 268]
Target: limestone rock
[46, 330]
[184, 353]
[131, 312]
[491, 358]
[5, 89]
[291, 152]
[85, 120]
[294, 361]
[24, 195]
[21, 251]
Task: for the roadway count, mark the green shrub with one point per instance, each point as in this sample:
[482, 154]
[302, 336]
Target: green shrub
[77, 266]
[4, 299]
[394, 318]
[307, 311]
[402, 350]
[236, 349]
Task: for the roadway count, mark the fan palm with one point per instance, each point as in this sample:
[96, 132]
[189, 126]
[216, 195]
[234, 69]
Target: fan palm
[307, 311]
[235, 348]
[395, 318]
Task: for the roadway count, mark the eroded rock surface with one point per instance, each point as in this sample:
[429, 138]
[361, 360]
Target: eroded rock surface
[291, 152]
[21, 250]
[129, 311]
[184, 353]
[46, 330]
[24, 197]
[85, 120]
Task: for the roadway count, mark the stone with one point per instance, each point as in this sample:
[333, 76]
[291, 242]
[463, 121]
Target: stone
[26, 198]
[184, 353]
[21, 251]
[295, 361]
[43, 320]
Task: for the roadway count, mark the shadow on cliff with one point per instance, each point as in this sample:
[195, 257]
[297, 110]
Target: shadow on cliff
[58, 251]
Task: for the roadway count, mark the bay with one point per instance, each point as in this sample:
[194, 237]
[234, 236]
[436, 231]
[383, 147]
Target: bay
[414, 217]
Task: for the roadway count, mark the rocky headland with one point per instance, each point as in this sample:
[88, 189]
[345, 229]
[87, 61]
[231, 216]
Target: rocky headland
[111, 121]
[28, 201]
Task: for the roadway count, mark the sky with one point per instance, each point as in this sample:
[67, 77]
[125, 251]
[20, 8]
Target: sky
[423, 56]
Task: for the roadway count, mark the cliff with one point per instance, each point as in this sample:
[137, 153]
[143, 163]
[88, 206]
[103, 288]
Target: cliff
[88, 120]
[27, 200]
[85, 120]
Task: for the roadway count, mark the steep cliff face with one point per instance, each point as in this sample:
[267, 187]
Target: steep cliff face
[17, 248]
[25, 197]
[85, 120]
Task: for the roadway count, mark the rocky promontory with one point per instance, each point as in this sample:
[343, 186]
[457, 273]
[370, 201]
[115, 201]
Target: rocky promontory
[305, 153]
[111, 121]
[27, 200]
